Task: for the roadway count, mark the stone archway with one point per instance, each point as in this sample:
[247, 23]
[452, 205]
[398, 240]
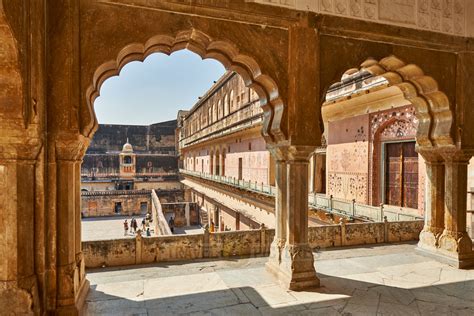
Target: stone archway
[71, 48]
[204, 46]
[391, 84]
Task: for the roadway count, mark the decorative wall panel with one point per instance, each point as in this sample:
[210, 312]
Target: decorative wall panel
[443, 16]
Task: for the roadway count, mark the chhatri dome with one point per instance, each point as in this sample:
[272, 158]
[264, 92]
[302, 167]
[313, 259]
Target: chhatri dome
[127, 147]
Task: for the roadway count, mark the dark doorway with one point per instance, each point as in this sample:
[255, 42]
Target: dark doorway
[240, 168]
[401, 175]
[118, 207]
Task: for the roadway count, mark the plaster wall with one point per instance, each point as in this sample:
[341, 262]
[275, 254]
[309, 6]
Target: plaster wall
[347, 158]
[251, 149]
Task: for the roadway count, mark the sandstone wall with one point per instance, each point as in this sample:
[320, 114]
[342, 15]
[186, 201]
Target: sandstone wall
[102, 203]
[158, 138]
[238, 243]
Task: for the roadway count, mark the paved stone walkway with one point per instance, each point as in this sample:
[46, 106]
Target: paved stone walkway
[381, 280]
[104, 228]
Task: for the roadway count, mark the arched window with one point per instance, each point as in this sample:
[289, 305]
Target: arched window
[209, 115]
[219, 109]
[127, 159]
[232, 100]
[226, 105]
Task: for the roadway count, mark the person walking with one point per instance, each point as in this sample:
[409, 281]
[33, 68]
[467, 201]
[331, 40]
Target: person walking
[171, 224]
[125, 228]
[148, 233]
[134, 225]
[143, 224]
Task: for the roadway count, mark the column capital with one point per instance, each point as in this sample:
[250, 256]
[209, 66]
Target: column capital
[70, 147]
[290, 153]
[430, 154]
[457, 156]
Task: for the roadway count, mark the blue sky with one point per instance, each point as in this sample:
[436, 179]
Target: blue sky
[154, 91]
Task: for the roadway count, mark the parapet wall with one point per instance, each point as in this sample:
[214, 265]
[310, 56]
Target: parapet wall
[141, 250]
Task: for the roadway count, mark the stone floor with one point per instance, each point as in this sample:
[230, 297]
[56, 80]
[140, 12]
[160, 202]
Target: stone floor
[372, 280]
[104, 228]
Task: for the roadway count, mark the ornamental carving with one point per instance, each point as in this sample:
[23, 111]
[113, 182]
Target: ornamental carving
[404, 126]
[446, 16]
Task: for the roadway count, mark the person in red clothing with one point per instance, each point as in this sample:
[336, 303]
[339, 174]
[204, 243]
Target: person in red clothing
[125, 228]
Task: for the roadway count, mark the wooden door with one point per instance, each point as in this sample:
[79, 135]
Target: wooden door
[401, 175]
[393, 174]
[410, 175]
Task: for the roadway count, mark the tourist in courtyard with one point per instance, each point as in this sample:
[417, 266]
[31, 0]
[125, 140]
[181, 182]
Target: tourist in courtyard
[148, 233]
[134, 225]
[143, 224]
[125, 228]
[171, 224]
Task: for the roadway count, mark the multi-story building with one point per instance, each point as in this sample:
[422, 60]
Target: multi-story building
[130, 161]
[226, 166]
[127, 157]
[367, 167]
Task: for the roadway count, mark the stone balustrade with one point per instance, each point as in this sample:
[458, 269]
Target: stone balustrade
[141, 250]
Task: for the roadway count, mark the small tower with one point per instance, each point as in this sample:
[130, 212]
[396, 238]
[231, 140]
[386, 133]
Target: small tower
[127, 161]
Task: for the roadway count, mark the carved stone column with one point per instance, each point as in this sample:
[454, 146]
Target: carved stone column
[454, 243]
[296, 269]
[19, 292]
[72, 284]
[281, 211]
[434, 204]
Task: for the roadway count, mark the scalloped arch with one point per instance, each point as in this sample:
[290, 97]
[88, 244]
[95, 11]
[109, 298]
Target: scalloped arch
[422, 91]
[201, 44]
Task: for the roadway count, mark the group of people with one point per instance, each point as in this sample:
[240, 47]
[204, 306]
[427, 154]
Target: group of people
[134, 225]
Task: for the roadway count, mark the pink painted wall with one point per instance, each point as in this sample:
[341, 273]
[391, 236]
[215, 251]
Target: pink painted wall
[255, 158]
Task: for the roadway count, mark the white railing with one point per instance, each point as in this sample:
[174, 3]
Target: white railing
[253, 186]
[321, 201]
[358, 210]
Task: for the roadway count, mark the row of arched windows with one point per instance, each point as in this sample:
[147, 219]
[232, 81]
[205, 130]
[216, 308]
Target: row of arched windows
[225, 104]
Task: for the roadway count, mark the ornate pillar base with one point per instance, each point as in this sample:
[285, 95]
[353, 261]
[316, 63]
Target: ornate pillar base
[77, 307]
[297, 270]
[429, 238]
[274, 260]
[455, 248]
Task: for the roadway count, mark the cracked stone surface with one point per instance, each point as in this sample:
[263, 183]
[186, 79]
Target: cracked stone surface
[372, 280]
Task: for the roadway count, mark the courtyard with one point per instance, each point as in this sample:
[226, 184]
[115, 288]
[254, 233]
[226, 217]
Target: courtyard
[371, 280]
[107, 227]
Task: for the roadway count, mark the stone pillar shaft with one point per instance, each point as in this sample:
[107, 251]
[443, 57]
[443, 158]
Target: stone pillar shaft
[434, 205]
[280, 216]
[455, 242]
[297, 203]
[295, 267]
[18, 282]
